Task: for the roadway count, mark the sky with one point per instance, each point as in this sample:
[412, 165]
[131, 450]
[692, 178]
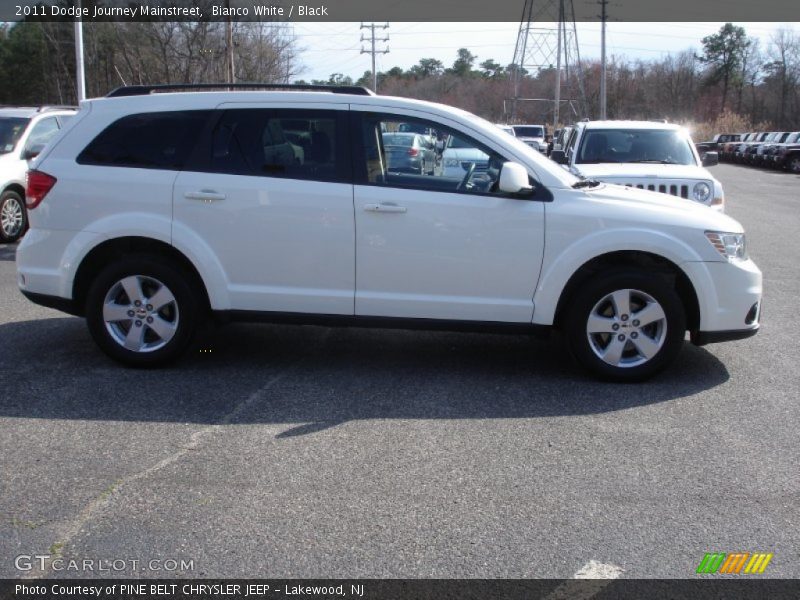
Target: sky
[335, 47]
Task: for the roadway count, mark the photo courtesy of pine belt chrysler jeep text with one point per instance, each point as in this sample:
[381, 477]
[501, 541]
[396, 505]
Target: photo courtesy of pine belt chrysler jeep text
[156, 208]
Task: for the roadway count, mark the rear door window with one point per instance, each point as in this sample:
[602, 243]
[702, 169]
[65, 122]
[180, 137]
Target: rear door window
[286, 143]
[160, 140]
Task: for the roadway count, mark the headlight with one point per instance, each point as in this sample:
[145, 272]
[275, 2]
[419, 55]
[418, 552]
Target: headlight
[452, 162]
[730, 245]
[701, 191]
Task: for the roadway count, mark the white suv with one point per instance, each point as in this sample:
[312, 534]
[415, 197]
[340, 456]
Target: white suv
[154, 211]
[654, 156]
[24, 131]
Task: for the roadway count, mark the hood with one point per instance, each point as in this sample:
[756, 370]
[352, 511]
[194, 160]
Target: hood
[621, 171]
[663, 208]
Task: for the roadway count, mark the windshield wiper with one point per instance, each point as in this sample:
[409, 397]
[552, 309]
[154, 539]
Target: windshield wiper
[656, 162]
[585, 183]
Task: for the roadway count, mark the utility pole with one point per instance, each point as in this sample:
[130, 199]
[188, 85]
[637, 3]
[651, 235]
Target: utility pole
[557, 97]
[603, 18]
[79, 75]
[372, 39]
[229, 69]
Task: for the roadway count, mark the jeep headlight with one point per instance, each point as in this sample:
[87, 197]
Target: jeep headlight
[701, 191]
[730, 245]
[452, 162]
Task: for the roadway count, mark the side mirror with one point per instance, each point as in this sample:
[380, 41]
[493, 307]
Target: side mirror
[32, 152]
[559, 156]
[514, 179]
[710, 159]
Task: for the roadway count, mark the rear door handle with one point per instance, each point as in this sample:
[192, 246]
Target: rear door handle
[205, 195]
[385, 207]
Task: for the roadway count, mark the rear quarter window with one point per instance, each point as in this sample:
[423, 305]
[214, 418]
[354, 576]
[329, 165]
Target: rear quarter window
[160, 140]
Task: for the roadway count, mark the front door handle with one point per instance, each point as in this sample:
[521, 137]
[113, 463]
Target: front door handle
[385, 207]
[205, 195]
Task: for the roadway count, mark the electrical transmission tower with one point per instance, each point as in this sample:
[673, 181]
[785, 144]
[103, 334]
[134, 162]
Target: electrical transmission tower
[548, 41]
[372, 27]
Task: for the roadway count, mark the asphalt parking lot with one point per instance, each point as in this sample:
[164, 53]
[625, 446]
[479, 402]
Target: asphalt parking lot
[280, 451]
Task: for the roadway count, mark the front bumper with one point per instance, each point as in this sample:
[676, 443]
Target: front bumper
[729, 299]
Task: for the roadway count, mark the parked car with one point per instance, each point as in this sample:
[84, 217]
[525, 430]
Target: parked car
[787, 155]
[461, 156]
[507, 128]
[754, 151]
[649, 155]
[409, 153]
[159, 208]
[24, 131]
[716, 143]
[729, 148]
[561, 137]
[764, 150]
[742, 153]
[533, 135]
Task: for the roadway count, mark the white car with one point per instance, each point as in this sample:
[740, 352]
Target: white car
[533, 135]
[460, 156]
[156, 210]
[24, 132]
[507, 128]
[655, 156]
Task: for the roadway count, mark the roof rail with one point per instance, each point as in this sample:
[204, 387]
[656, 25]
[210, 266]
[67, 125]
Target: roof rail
[143, 90]
[42, 109]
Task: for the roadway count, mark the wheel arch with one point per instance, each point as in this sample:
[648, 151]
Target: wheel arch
[651, 262]
[15, 187]
[108, 251]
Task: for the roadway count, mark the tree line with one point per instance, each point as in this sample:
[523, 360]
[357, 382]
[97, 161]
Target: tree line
[735, 82]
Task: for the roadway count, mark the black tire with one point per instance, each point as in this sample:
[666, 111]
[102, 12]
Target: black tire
[182, 314]
[633, 364]
[793, 164]
[11, 203]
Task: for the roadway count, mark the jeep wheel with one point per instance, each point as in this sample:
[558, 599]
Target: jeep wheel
[625, 325]
[142, 311]
[13, 218]
[794, 164]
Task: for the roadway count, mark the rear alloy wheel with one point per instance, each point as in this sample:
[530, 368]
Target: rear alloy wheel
[625, 326]
[13, 218]
[794, 164]
[141, 312]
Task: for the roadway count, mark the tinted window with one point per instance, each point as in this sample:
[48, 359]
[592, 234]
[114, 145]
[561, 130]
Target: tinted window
[11, 129]
[149, 141]
[294, 144]
[524, 131]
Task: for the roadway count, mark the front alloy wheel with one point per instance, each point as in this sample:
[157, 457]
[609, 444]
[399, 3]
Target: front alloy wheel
[626, 328]
[625, 324]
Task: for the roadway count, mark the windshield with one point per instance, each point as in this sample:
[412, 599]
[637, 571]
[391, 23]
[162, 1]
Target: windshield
[528, 131]
[636, 146]
[11, 129]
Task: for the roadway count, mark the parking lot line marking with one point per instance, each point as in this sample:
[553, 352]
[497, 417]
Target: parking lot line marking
[600, 574]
